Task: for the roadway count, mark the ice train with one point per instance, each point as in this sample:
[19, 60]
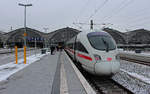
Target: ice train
[96, 51]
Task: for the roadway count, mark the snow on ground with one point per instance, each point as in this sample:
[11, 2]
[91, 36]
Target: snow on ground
[9, 69]
[135, 77]
[136, 68]
[134, 85]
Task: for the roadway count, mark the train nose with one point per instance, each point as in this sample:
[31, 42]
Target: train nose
[107, 68]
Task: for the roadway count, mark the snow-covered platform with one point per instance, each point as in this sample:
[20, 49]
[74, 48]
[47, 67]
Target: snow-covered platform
[4, 51]
[43, 74]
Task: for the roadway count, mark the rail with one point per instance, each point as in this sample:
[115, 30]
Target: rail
[145, 60]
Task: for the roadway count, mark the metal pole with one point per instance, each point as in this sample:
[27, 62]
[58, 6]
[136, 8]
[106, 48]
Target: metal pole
[91, 23]
[35, 45]
[25, 31]
[25, 26]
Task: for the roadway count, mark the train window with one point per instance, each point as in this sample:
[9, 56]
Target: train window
[102, 42]
[80, 47]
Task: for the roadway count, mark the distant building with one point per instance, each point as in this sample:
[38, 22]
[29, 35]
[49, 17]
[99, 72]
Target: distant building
[16, 37]
[140, 36]
[118, 36]
[1, 40]
[62, 35]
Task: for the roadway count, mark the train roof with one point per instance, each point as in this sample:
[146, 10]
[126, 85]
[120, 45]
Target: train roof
[95, 32]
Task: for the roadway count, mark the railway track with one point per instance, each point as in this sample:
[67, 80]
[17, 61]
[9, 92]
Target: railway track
[108, 86]
[136, 61]
[105, 85]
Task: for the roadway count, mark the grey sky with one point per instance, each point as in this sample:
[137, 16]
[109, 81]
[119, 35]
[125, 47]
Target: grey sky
[55, 14]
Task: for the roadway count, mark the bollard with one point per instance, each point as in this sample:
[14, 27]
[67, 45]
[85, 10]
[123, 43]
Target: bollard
[24, 54]
[16, 54]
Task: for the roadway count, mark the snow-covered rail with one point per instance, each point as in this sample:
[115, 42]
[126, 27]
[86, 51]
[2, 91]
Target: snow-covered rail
[136, 58]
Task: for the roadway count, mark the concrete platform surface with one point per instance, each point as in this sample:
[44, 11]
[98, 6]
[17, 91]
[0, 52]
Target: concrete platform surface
[53, 74]
[74, 85]
[34, 79]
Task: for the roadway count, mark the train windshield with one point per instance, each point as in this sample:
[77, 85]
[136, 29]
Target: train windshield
[101, 42]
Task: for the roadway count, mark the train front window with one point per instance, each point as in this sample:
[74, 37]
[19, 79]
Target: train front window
[102, 42]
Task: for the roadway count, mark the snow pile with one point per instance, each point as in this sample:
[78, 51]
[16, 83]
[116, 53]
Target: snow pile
[9, 69]
[132, 84]
[136, 68]
[135, 77]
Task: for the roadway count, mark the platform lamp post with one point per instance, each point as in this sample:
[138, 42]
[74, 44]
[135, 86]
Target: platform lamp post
[25, 31]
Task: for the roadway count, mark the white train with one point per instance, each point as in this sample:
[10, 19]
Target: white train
[96, 51]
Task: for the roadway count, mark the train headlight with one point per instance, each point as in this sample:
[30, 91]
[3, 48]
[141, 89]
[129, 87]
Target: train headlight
[97, 57]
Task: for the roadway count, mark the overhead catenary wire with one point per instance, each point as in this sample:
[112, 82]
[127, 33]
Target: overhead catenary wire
[141, 23]
[138, 13]
[112, 11]
[83, 9]
[124, 5]
[119, 8]
[138, 19]
[80, 12]
[95, 11]
[98, 8]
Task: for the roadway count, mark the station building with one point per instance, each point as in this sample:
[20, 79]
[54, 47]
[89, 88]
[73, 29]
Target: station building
[1, 40]
[119, 37]
[140, 36]
[60, 36]
[35, 37]
[16, 37]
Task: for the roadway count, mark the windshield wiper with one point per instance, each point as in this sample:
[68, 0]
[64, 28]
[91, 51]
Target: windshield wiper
[106, 44]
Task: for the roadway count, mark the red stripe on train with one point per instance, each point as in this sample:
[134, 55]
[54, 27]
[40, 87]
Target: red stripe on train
[85, 57]
[81, 55]
[71, 50]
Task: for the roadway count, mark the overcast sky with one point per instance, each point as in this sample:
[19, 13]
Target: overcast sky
[56, 14]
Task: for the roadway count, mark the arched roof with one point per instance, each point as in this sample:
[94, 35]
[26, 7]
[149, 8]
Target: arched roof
[1, 37]
[62, 35]
[17, 35]
[118, 36]
[140, 36]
